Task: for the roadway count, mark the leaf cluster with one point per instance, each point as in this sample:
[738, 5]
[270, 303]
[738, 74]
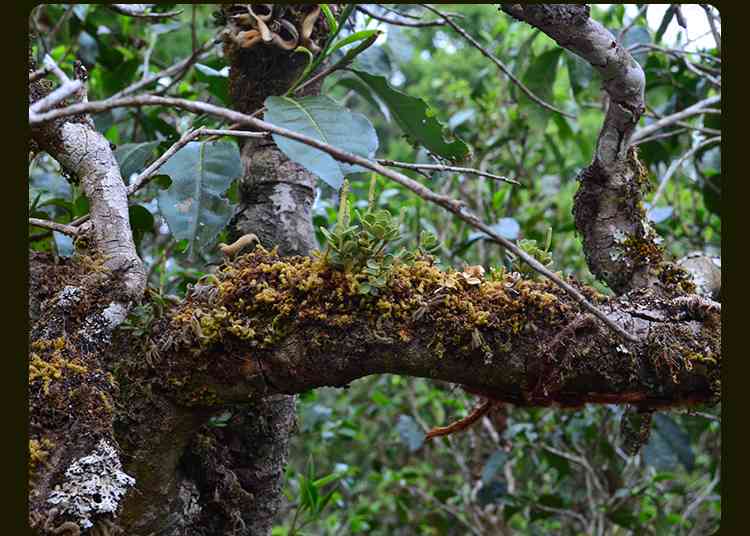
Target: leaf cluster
[366, 248]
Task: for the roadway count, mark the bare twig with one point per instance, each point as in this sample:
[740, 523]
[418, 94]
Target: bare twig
[54, 226]
[663, 135]
[695, 109]
[396, 22]
[627, 28]
[674, 166]
[712, 24]
[702, 496]
[176, 69]
[449, 509]
[141, 11]
[441, 167]
[500, 65]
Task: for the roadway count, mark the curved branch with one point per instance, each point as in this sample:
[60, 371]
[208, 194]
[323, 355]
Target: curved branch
[620, 245]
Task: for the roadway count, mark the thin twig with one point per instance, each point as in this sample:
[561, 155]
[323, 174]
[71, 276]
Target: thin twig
[178, 67]
[500, 64]
[627, 28]
[663, 135]
[452, 205]
[54, 226]
[695, 109]
[396, 22]
[449, 509]
[712, 24]
[441, 167]
[674, 166]
[132, 10]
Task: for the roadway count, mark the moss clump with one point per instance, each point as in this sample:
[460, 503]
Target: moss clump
[55, 366]
[677, 279]
[38, 453]
[260, 298]
[641, 250]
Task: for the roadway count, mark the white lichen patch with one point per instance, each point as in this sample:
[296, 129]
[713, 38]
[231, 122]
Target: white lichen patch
[93, 485]
[115, 314]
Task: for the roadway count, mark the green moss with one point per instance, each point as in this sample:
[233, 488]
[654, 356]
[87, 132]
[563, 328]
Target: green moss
[54, 366]
[38, 453]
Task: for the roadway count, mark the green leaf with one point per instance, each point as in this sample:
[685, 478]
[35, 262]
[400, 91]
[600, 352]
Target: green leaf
[323, 119]
[218, 81]
[353, 38]
[415, 118]
[162, 181]
[375, 61]
[540, 79]
[580, 72]
[132, 157]
[410, 432]
[323, 481]
[194, 206]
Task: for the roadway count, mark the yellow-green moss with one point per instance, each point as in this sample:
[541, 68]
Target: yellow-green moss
[38, 453]
[54, 365]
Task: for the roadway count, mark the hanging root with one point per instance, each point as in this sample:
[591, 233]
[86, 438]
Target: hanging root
[462, 424]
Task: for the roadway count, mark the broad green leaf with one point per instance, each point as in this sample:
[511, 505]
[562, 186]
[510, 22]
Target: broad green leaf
[355, 84]
[375, 61]
[323, 119]
[132, 157]
[410, 432]
[194, 205]
[638, 35]
[416, 119]
[540, 79]
[141, 222]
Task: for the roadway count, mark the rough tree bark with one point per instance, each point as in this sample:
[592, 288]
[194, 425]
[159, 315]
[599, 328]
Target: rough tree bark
[118, 419]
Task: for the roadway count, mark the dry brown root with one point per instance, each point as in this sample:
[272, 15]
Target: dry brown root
[477, 413]
[238, 245]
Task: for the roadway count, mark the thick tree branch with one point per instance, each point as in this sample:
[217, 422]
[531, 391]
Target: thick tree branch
[300, 324]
